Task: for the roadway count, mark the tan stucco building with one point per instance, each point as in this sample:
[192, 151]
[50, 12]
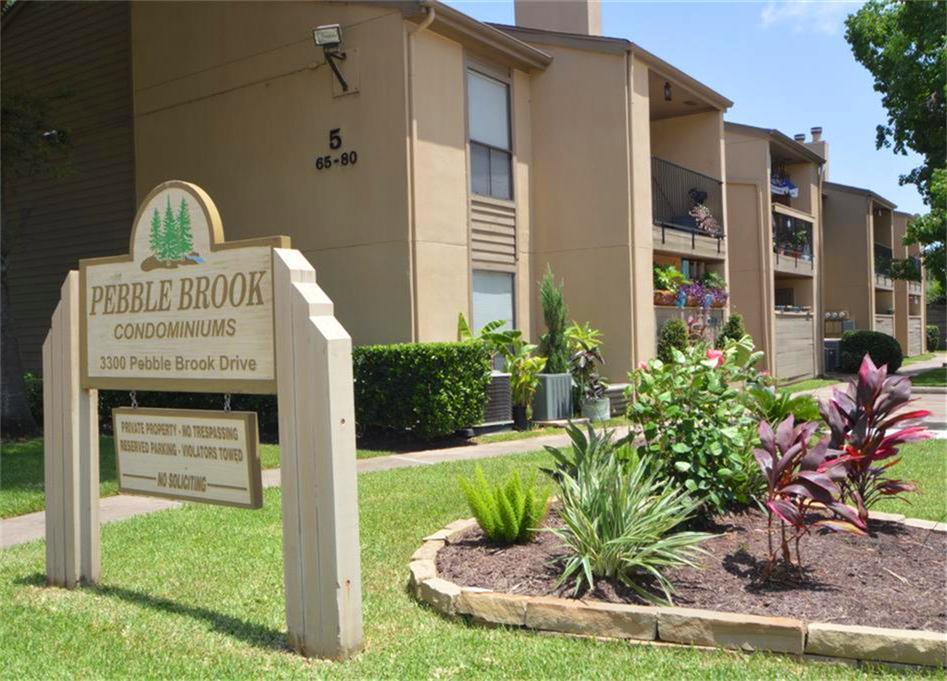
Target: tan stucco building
[774, 189]
[859, 246]
[453, 164]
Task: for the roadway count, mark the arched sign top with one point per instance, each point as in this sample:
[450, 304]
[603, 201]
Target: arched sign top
[184, 309]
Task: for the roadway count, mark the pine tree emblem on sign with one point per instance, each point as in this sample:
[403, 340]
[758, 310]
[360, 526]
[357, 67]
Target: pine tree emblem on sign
[170, 239]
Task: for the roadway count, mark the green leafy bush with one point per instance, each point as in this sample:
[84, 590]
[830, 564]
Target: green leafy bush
[592, 444]
[667, 278]
[775, 405]
[673, 337]
[884, 350]
[427, 390]
[617, 519]
[554, 345]
[508, 513]
[733, 329]
[933, 337]
[698, 430]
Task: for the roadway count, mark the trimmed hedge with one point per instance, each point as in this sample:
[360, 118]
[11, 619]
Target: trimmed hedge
[884, 349]
[425, 390]
[733, 329]
[933, 337]
[673, 335]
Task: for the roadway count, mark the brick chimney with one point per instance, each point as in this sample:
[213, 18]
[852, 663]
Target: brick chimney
[821, 147]
[567, 16]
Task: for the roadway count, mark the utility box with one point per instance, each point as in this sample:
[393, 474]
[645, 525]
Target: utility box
[831, 351]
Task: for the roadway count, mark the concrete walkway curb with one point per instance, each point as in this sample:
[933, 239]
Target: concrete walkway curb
[32, 526]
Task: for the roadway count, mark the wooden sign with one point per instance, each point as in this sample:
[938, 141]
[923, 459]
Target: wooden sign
[185, 310]
[208, 456]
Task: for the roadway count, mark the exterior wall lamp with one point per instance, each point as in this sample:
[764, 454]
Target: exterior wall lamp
[667, 91]
[329, 38]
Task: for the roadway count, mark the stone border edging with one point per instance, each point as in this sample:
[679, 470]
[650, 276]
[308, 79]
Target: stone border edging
[672, 625]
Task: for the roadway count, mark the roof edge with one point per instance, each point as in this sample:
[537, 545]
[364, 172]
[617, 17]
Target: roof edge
[777, 136]
[859, 190]
[617, 46]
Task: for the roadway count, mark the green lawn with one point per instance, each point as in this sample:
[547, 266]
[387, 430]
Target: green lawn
[509, 435]
[198, 593]
[932, 378]
[21, 468]
[913, 359]
[810, 384]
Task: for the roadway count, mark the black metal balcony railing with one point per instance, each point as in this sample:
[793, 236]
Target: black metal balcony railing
[792, 238]
[686, 200]
[883, 258]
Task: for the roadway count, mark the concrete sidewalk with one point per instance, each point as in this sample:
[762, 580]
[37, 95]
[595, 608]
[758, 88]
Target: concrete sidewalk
[32, 526]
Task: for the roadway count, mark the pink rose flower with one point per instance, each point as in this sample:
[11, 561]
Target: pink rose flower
[716, 355]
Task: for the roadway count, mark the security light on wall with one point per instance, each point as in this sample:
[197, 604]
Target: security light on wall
[329, 38]
[667, 91]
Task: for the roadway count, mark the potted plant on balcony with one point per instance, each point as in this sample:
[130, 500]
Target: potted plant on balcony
[716, 286]
[666, 279]
[553, 399]
[585, 343]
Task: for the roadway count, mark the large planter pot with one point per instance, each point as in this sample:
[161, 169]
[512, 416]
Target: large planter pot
[520, 422]
[553, 400]
[665, 298]
[597, 409]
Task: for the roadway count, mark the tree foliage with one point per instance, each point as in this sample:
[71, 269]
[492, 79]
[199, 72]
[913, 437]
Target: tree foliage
[904, 46]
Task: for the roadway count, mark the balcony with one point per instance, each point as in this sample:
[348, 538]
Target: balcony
[687, 211]
[883, 258]
[792, 245]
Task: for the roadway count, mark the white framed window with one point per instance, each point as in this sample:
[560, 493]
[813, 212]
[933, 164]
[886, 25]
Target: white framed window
[491, 149]
[492, 298]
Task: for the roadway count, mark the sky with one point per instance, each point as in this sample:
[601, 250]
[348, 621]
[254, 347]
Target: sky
[785, 65]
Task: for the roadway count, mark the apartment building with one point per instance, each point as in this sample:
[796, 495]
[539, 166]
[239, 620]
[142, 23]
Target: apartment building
[859, 243]
[910, 311]
[774, 213]
[428, 165]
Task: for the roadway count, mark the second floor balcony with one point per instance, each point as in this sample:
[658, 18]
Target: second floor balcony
[883, 258]
[793, 246]
[687, 210]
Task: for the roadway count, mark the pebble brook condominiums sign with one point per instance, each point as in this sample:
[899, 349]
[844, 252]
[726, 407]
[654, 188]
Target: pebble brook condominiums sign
[184, 305]
[187, 311]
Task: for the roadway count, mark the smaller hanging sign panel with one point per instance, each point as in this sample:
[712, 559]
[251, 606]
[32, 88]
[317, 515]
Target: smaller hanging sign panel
[192, 455]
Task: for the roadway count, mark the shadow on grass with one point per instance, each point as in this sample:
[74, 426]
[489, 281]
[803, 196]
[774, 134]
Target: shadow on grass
[255, 634]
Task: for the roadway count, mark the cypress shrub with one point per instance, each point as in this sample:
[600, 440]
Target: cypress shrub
[882, 348]
[733, 329]
[673, 335]
[933, 337]
[553, 345]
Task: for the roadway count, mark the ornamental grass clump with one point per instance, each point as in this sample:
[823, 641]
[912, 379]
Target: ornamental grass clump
[860, 419]
[618, 517]
[508, 513]
[802, 483]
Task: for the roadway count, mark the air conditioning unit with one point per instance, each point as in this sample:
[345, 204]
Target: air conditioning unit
[498, 413]
[831, 354]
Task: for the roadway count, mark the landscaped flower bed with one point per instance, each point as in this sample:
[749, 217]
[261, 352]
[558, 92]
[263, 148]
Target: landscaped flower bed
[745, 504]
[851, 607]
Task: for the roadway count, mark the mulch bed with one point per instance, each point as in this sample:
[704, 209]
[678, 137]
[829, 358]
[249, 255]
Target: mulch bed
[893, 577]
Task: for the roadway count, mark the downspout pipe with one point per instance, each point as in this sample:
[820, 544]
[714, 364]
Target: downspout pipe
[412, 177]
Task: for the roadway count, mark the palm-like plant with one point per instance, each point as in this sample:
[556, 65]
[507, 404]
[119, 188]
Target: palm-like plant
[618, 518]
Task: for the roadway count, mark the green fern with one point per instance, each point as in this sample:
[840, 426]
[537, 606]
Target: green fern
[508, 513]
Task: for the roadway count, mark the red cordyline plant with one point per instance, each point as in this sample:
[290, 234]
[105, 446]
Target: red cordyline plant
[860, 418]
[802, 486]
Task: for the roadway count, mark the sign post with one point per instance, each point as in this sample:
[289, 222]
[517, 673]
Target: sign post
[187, 311]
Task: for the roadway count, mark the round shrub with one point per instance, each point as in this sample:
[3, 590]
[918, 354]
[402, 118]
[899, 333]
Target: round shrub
[733, 329]
[933, 337]
[884, 349]
[673, 335]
